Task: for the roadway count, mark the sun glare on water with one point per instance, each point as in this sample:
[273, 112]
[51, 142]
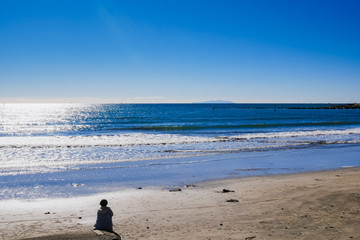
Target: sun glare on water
[33, 119]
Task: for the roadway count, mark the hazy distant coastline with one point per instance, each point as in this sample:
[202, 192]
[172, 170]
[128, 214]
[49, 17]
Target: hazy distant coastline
[218, 101]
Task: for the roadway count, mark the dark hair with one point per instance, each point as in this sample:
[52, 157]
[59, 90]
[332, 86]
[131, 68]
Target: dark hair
[103, 203]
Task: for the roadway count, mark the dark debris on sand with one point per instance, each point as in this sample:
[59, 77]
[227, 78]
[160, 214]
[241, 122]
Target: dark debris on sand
[249, 238]
[175, 190]
[227, 190]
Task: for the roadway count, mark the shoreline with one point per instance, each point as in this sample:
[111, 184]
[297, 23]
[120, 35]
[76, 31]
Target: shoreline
[320, 205]
[176, 171]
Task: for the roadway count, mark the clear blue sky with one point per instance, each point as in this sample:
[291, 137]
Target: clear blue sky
[180, 51]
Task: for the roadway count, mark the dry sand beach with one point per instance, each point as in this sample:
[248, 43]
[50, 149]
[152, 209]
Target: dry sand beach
[315, 205]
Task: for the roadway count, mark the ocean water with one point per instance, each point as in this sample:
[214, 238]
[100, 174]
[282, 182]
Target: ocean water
[60, 150]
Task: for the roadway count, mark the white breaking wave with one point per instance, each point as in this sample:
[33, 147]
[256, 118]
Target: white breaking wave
[297, 134]
[41, 154]
[99, 140]
[133, 139]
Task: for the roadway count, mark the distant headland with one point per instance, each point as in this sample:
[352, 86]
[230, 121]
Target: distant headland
[217, 101]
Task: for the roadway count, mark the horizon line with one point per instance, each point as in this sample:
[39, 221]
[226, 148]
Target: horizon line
[79, 101]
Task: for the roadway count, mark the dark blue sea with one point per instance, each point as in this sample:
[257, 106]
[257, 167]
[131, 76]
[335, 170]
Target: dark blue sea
[63, 150]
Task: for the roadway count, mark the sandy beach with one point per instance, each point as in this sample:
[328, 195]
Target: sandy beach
[315, 205]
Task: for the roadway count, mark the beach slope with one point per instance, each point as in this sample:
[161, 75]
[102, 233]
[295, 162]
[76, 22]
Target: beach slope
[315, 205]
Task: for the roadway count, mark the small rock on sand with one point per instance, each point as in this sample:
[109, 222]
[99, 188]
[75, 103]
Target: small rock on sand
[249, 238]
[227, 190]
[175, 190]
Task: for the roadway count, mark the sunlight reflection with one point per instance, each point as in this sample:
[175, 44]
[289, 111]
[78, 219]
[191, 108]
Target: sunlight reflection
[27, 119]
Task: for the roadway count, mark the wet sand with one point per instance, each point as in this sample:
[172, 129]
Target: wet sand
[316, 205]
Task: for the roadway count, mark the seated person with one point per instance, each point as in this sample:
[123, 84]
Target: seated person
[104, 217]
